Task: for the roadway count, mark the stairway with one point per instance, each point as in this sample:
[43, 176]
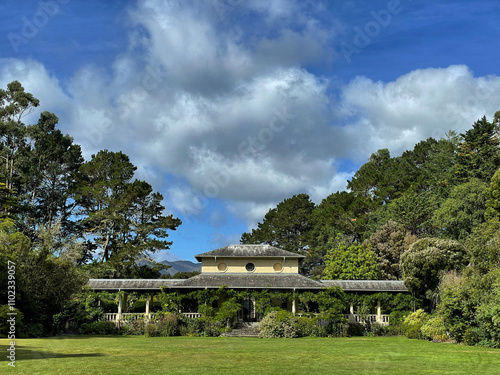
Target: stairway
[244, 329]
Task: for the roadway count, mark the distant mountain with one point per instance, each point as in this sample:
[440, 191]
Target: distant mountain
[180, 266]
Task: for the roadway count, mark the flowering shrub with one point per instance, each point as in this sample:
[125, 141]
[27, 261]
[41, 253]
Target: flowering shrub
[278, 324]
[413, 323]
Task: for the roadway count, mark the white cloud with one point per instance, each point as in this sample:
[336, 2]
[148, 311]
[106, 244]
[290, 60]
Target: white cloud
[237, 118]
[423, 103]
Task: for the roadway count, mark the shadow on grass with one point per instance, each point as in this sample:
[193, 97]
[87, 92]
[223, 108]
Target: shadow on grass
[26, 353]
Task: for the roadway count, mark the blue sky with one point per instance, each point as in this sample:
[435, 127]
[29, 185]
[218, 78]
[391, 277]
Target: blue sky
[228, 107]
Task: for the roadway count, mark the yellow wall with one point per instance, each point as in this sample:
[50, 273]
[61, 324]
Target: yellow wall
[262, 265]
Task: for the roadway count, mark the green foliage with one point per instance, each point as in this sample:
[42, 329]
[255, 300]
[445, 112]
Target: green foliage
[463, 210]
[478, 155]
[354, 262]
[413, 323]
[426, 261]
[285, 226]
[125, 216]
[278, 324]
[435, 329]
[483, 245]
[388, 244]
[5, 325]
[493, 198]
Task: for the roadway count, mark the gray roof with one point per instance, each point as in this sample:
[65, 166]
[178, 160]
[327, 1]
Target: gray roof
[251, 281]
[243, 251]
[244, 281]
[131, 284]
[367, 285]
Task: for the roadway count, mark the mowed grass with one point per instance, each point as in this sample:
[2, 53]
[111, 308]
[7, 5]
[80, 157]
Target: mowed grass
[233, 355]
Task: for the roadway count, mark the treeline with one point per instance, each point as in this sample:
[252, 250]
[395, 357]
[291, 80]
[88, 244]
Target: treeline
[64, 219]
[429, 217]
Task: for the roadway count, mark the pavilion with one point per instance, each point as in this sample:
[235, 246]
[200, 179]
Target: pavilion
[250, 267]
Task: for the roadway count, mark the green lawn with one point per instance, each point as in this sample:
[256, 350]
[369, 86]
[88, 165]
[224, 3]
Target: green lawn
[191, 355]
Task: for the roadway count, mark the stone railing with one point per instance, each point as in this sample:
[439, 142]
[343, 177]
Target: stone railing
[372, 318]
[130, 317]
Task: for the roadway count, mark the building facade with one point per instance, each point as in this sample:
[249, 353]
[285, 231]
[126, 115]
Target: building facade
[250, 267]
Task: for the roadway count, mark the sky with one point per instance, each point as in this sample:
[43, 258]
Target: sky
[228, 107]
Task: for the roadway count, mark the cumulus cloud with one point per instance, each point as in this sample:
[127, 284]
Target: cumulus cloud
[423, 103]
[237, 117]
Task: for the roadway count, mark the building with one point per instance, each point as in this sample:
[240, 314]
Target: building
[250, 267]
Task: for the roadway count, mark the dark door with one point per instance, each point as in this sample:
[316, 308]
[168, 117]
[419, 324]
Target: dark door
[248, 307]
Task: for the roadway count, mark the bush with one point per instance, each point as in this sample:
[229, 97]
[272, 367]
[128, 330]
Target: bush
[305, 326]
[278, 324]
[135, 327]
[396, 319]
[328, 324]
[102, 327]
[413, 323]
[191, 327]
[378, 329]
[434, 329]
[356, 329]
[5, 325]
[472, 336]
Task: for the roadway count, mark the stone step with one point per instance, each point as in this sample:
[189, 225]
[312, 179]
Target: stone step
[244, 330]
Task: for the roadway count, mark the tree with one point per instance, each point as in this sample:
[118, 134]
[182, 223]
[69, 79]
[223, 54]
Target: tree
[51, 178]
[44, 283]
[286, 226]
[342, 213]
[463, 210]
[388, 244]
[493, 197]
[479, 155]
[15, 103]
[354, 262]
[413, 210]
[483, 245]
[124, 216]
[426, 261]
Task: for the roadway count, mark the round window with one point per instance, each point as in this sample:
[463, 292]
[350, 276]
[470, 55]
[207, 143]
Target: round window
[250, 267]
[278, 267]
[222, 267]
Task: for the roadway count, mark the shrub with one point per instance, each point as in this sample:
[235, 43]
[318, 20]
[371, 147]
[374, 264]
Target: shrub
[4, 325]
[328, 324]
[191, 327]
[356, 329]
[413, 323]
[434, 329]
[472, 336]
[168, 325]
[378, 329]
[305, 326]
[135, 327]
[102, 327]
[278, 324]
[396, 319]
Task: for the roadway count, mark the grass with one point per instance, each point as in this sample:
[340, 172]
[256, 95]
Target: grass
[233, 355]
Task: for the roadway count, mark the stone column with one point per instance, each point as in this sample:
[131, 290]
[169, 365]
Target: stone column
[119, 315]
[147, 315]
[294, 305]
[379, 312]
[352, 318]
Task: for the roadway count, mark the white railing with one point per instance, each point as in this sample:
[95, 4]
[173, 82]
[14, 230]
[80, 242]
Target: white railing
[130, 317]
[192, 315]
[372, 318]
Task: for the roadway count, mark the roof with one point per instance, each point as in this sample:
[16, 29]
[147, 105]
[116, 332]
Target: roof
[244, 251]
[247, 281]
[251, 281]
[367, 285]
[131, 284]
